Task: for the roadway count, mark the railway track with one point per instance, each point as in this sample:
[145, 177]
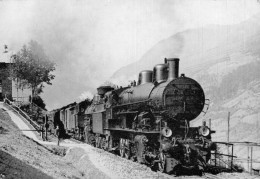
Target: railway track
[205, 176]
[211, 176]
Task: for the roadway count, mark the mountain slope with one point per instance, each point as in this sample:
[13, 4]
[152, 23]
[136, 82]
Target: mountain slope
[200, 48]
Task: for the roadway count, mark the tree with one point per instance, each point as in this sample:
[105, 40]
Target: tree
[32, 67]
[39, 102]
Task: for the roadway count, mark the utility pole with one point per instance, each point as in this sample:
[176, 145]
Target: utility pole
[228, 127]
[251, 161]
[228, 137]
[258, 134]
[248, 157]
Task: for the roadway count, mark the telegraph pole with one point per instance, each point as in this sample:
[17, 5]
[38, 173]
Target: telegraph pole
[258, 133]
[228, 137]
[251, 161]
[228, 127]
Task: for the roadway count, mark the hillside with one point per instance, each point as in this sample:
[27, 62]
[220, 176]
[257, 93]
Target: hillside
[200, 48]
[237, 93]
[21, 157]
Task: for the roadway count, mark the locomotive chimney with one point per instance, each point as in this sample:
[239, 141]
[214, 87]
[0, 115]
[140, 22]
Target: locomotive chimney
[173, 64]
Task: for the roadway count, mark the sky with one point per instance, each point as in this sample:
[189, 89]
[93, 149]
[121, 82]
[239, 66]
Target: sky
[90, 39]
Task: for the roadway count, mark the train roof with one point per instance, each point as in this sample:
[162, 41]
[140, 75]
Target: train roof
[69, 105]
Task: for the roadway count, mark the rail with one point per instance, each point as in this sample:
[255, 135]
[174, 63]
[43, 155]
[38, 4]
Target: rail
[211, 176]
[22, 113]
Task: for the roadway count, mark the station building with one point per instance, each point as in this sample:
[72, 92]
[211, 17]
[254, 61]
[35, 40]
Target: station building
[5, 81]
[8, 87]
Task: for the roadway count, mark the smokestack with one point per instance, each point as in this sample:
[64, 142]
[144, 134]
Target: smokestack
[173, 64]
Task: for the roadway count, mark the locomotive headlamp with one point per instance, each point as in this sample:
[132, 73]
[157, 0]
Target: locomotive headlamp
[204, 130]
[166, 132]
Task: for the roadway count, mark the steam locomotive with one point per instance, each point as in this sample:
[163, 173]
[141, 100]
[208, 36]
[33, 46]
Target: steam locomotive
[149, 122]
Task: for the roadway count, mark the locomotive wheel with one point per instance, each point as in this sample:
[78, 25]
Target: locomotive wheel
[162, 162]
[133, 153]
[127, 149]
[103, 144]
[92, 140]
[98, 142]
[127, 154]
[122, 147]
[122, 152]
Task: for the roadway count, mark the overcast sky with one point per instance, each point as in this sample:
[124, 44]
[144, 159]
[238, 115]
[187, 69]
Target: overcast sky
[90, 40]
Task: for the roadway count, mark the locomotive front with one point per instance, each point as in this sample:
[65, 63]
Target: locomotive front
[174, 101]
[180, 100]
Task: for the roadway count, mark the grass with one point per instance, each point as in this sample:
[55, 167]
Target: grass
[58, 150]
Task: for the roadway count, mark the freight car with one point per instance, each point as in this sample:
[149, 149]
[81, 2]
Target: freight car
[70, 118]
[81, 117]
[149, 122]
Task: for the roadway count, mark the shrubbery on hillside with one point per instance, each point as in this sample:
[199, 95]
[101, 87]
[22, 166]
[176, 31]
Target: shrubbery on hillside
[237, 79]
[39, 102]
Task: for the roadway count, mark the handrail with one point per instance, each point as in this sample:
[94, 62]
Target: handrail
[21, 112]
[225, 155]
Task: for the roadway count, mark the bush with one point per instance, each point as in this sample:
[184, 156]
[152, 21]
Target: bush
[238, 168]
[61, 151]
[237, 79]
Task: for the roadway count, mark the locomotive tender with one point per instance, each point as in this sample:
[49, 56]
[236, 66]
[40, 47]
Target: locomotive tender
[149, 122]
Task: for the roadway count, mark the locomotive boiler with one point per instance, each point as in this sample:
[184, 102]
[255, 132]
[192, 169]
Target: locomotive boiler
[149, 122]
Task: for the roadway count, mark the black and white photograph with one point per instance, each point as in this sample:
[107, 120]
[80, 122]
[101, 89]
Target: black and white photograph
[129, 89]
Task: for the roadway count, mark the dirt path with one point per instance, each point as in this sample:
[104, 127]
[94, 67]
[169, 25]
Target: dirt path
[19, 122]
